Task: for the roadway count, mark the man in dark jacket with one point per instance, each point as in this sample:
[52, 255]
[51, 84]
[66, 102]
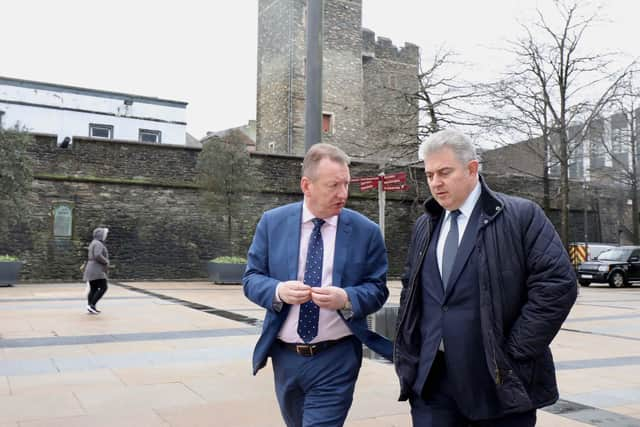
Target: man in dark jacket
[486, 287]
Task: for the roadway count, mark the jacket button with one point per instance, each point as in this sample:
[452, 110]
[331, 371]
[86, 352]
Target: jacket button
[497, 208]
[486, 221]
[445, 308]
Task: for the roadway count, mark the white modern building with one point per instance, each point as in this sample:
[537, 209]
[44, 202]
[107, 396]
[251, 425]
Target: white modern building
[69, 111]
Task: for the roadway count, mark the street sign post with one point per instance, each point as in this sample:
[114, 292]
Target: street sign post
[384, 183]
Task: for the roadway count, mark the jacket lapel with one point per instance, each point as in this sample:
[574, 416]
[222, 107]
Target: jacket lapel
[342, 248]
[294, 225]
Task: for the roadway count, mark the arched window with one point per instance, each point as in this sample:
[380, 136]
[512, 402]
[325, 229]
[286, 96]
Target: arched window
[62, 221]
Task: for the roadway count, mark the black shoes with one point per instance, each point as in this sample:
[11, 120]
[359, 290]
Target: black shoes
[92, 310]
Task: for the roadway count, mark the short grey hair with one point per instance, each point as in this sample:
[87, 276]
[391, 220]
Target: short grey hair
[453, 139]
[318, 152]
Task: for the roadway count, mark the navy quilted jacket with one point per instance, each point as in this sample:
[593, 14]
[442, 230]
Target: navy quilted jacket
[527, 288]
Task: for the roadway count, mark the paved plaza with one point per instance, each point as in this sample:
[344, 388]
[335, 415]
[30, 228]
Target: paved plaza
[178, 354]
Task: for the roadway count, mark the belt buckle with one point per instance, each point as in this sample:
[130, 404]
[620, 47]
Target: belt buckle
[305, 350]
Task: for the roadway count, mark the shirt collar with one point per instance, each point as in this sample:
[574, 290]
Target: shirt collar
[307, 216]
[467, 207]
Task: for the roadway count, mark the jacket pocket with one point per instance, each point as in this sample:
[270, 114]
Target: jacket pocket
[525, 369]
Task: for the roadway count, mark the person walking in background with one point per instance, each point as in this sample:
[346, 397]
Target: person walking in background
[486, 287]
[318, 269]
[95, 271]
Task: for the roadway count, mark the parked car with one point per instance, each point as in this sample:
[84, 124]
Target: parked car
[618, 266]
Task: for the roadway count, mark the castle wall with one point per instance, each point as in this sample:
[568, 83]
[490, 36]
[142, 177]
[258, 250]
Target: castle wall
[159, 225]
[362, 80]
[276, 22]
[161, 229]
[389, 74]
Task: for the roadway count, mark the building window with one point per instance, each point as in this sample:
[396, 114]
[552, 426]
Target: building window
[152, 136]
[1, 114]
[620, 144]
[576, 159]
[62, 221]
[327, 123]
[100, 131]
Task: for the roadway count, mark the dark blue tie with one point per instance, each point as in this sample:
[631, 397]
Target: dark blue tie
[450, 248]
[309, 311]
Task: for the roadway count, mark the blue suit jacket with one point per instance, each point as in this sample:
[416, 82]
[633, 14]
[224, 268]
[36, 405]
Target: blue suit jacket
[359, 266]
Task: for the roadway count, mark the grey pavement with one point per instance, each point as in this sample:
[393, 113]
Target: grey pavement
[178, 354]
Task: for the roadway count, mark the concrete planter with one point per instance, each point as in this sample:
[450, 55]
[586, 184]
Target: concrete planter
[224, 273]
[9, 272]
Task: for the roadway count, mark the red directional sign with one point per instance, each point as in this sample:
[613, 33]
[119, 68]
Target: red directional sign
[366, 182]
[391, 182]
[393, 178]
[395, 182]
[368, 186]
[356, 180]
[395, 187]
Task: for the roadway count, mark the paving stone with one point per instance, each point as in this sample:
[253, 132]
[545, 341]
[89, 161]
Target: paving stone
[179, 354]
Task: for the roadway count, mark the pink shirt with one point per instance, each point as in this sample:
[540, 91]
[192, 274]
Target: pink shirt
[331, 326]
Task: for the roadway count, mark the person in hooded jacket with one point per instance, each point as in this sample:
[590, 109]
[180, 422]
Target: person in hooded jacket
[96, 269]
[487, 286]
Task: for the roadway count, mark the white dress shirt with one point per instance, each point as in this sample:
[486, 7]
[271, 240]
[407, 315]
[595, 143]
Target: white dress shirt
[330, 326]
[463, 219]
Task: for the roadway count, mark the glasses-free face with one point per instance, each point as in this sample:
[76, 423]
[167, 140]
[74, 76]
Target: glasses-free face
[327, 191]
[450, 180]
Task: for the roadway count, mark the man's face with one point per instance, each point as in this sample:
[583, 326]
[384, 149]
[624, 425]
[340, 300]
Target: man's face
[450, 181]
[327, 191]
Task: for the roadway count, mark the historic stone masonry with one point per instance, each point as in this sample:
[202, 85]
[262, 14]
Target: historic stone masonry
[159, 227]
[364, 79]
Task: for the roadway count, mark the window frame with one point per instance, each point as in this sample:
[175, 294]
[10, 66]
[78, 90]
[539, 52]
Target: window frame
[157, 133]
[331, 118]
[109, 128]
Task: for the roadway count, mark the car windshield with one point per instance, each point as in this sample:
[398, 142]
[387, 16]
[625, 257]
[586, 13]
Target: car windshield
[615, 255]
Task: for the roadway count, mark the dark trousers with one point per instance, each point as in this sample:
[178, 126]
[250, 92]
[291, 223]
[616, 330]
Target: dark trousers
[438, 408]
[98, 289]
[317, 390]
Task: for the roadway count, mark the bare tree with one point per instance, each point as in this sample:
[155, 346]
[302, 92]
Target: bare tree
[440, 98]
[518, 112]
[558, 89]
[617, 140]
[444, 99]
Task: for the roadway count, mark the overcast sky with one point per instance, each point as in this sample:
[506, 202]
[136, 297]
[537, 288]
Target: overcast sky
[204, 52]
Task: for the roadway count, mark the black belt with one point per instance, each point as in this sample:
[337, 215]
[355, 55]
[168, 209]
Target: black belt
[308, 350]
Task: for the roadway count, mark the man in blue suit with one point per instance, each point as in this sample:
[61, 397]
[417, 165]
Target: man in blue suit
[486, 287]
[318, 269]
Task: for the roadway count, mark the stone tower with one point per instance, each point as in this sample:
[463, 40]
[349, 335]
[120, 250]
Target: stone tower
[361, 81]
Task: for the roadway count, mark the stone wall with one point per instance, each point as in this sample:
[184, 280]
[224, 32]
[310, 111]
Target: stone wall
[160, 227]
[362, 81]
[389, 73]
[276, 56]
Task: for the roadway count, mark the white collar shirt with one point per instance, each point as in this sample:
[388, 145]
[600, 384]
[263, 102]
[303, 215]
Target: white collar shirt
[463, 219]
[330, 326]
